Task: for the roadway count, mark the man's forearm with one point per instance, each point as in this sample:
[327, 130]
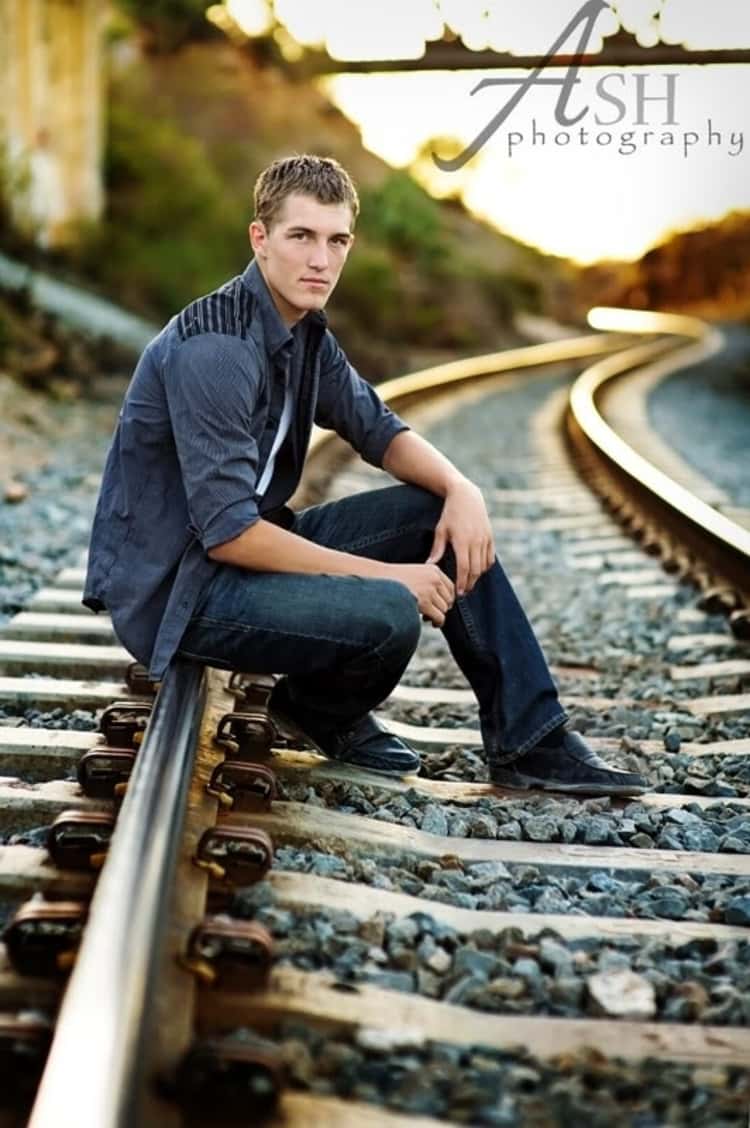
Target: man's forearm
[265, 547]
[410, 458]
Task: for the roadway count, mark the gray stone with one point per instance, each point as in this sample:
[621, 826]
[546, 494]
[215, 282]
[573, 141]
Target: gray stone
[403, 931]
[738, 911]
[402, 957]
[373, 930]
[384, 815]
[622, 993]
[597, 831]
[488, 871]
[481, 964]
[568, 991]
[672, 740]
[552, 901]
[510, 831]
[553, 954]
[529, 970]
[682, 817]
[394, 980]
[603, 882]
[278, 921]
[670, 902]
[482, 825]
[540, 828]
[462, 990]
[428, 983]
[506, 987]
[609, 960]
[434, 820]
[642, 841]
[426, 947]
[669, 840]
[459, 827]
[439, 961]
[700, 838]
[326, 865]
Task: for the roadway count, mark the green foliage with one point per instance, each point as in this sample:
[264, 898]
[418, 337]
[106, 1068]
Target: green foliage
[173, 228]
[508, 291]
[16, 232]
[400, 214]
[369, 287]
[170, 23]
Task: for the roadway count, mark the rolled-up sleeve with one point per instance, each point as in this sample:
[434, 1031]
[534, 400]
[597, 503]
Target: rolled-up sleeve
[211, 384]
[350, 406]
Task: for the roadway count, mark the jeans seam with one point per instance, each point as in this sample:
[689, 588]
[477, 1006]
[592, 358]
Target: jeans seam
[228, 624]
[548, 726]
[501, 758]
[363, 542]
[464, 611]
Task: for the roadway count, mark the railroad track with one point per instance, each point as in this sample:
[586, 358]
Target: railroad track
[457, 953]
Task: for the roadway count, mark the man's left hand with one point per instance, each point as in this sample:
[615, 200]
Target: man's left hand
[465, 526]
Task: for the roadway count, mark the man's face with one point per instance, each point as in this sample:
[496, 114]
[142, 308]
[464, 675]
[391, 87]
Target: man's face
[302, 256]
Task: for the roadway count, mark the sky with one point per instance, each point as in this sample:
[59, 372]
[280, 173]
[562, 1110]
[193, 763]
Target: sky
[655, 149]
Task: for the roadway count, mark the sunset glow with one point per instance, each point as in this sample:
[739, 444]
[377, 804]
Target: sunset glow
[635, 176]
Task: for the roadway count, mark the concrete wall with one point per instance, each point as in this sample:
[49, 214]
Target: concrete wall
[51, 107]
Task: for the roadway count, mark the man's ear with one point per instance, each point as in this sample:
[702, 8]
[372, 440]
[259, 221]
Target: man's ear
[257, 233]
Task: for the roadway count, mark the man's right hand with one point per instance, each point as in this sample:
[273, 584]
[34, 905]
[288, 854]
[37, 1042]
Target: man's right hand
[432, 589]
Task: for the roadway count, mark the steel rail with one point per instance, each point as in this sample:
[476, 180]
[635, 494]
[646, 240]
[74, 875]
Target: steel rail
[106, 1016]
[401, 389]
[99, 1054]
[718, 540]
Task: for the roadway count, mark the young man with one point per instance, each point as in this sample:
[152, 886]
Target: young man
[194, 551]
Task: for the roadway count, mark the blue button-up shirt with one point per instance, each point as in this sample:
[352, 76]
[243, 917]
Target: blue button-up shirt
[193, 435]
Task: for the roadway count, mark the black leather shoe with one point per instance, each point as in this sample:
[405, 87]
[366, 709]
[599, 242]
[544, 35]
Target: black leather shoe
[363, 744]
[570, 766]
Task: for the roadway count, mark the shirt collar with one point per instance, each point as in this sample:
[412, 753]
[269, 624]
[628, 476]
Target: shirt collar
[277, 335]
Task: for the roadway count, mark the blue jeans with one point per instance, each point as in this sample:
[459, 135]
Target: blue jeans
[344, 642]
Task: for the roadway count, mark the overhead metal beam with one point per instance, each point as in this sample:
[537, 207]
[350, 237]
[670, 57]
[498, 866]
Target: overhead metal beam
[620, 50]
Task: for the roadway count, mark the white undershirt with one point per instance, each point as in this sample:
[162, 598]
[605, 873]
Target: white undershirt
[286, 418]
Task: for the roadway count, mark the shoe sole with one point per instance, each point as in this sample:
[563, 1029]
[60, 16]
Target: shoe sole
[298, 735]
[530, 783]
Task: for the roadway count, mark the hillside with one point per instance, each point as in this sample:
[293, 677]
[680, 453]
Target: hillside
[188, 132]
[703, 271]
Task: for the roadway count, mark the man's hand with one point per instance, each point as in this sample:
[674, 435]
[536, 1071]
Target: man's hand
[465, 525]
[432, 589]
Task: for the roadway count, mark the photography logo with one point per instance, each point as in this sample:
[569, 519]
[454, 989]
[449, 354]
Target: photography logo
[649, 91]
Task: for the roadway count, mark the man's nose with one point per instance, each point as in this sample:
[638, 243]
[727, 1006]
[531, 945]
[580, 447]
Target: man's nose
[318, 257]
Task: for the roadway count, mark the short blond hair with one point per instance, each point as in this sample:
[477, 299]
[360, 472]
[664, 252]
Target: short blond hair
[323, 178]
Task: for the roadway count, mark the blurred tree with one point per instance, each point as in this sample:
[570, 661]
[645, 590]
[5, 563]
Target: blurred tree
[400, 214]
[170, 23]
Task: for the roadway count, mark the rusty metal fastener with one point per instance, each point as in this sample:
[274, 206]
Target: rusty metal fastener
[43, 936]
[80, 839]
[24, 1044]
[253, 732]
[254, 689]
[138, 681]
[124, 723]
[232, 954]
[241, 855]
[233, 1076]
[102, 771]
[243, 786]
[739, 623]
